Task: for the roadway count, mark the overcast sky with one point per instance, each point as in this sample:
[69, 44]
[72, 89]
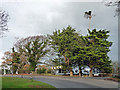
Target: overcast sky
[42, 18]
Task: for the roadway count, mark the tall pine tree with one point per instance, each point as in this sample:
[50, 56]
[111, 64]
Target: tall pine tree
[65, 42]
[96, 49]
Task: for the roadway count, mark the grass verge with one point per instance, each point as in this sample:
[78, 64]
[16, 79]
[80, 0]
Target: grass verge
[14, 82]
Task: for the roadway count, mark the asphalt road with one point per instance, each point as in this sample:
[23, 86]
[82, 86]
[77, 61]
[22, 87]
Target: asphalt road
[71, 82]
[60, 82]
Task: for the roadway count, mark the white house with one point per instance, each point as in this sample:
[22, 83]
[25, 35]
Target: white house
[85, 71]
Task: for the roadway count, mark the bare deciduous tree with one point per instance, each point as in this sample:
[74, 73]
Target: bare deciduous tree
[3, 22]
[116, 3]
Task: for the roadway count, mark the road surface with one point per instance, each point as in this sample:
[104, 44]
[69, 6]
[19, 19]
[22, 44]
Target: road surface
[76, 82]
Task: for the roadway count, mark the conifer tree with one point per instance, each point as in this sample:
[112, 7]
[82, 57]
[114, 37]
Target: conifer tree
[65, 42]
[96, 49]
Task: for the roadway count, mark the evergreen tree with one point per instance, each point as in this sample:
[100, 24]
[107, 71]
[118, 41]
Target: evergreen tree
[96, 49]
[65, 42]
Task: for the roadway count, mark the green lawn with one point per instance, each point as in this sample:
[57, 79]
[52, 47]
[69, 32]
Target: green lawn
[0, 83]
[14, 82]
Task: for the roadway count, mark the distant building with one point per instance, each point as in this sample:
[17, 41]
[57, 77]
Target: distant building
[85, 71]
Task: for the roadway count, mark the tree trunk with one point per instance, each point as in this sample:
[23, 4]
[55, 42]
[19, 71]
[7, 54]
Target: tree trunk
[67, 62]
[71, 73]
[16, 71]
[102, 73]
[4, 71]
[80, 72]
[90, 73]
[65, 58]
[89, 22]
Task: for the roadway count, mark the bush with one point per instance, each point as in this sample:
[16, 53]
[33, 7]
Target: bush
[21, 71]
[49, 71]
[6, 70]
[41, 70]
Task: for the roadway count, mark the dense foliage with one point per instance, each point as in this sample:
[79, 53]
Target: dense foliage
[72, 49]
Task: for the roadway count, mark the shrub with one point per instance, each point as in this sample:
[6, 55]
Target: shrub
[49, 71]
[41, 70]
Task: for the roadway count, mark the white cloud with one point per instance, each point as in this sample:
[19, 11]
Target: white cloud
[28, 17]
